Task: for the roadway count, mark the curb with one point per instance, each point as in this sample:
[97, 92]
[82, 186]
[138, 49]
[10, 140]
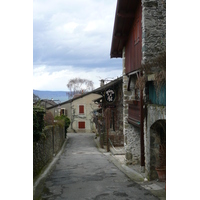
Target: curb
[151, 186]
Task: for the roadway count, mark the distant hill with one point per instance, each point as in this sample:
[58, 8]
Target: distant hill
[55, 95]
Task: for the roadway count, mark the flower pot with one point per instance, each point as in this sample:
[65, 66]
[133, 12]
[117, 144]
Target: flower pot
[161, 174]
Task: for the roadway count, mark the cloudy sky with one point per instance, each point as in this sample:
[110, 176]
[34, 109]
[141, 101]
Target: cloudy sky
[73, 39]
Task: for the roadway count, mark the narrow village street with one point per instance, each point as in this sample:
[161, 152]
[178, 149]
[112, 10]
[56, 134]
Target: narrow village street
[82, 172]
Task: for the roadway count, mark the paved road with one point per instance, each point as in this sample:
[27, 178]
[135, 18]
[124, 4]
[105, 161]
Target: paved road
[83, 173]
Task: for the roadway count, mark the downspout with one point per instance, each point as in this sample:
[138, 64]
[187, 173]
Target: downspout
[142, 162]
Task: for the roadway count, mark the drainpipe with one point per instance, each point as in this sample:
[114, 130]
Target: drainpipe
[141, 130]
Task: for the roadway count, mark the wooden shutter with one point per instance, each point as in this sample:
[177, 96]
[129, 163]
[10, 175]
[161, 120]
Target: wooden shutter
[81, 124]
[81, 109]
[62, 111]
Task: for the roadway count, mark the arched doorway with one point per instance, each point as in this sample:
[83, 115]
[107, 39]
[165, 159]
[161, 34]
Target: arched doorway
[157, 147]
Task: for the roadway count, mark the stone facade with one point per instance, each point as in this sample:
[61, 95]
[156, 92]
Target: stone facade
[71, 109]
[87, 116]
[153, 28]
[154, 114]
[131, 133]
[153, 42]
[56, 109]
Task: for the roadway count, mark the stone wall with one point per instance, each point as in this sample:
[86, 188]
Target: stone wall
[131, 133]
[153, 28]
[49, 144]
[153, 42]
[154, 113]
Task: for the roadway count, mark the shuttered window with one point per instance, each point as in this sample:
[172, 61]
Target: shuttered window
[81, 125]
[63, 111]
[81, 109]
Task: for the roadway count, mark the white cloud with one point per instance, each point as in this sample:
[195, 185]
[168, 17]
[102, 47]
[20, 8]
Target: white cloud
[69, 27]
[72, 39]
[43, 79]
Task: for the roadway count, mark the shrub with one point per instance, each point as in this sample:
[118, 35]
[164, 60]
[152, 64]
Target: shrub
[38, 122]
[48, 118]
[66, 120]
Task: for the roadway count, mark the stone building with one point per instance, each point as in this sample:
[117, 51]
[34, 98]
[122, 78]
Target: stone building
[79, 110]
[139, 37]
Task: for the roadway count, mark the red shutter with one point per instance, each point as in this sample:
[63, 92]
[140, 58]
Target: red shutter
[81, 124]
[81, 109]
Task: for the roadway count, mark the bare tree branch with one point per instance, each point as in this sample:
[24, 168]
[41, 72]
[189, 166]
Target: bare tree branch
[79, 86]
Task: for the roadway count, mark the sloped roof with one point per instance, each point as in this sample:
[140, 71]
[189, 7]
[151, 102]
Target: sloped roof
[97, 100]
[51, 102]
[99, 90]
[124, 17]
[106, 86]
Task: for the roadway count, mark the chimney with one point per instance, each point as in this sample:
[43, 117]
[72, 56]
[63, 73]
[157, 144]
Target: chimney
[101, 82]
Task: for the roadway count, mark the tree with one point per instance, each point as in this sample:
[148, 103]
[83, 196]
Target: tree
[79, 85]
[48, 118]
[66, 121]
[38, 122]
[35, 98]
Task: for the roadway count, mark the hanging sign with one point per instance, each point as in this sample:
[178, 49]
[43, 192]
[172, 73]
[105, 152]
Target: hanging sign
[110, 95]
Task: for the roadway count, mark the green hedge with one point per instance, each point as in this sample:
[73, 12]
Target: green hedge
[65, 119]
[38, 122]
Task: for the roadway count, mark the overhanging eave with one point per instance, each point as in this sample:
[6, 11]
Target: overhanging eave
[124, 17]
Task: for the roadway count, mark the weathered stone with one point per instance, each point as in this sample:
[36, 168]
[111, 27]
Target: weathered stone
[128, 156]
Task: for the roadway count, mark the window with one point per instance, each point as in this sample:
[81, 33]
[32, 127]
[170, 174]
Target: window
[81, 125]
[81, 109]
[63, 111]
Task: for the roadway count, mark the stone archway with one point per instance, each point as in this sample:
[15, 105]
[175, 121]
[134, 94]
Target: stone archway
[157, 140]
